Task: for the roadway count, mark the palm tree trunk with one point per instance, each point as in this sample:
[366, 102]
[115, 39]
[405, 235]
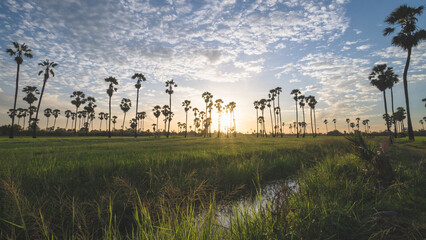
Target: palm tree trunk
[315, 123]
[124, 120]
[326, 129]
[387, 116]
[54, 124]
[272, 124]
[137, 102]
[66, 125]
[297, 119]
[14, 102]
[312, 125]
[393, 114]
[100, 126]
[407, 103]
[109, 119]
[157, 128]
[170, 115]
[76, 117]
[257, 123]
[186, 123]
[218, 127]
[235, 127]
[143, 119]
[281, 121]
[275, 119]
[38, 107]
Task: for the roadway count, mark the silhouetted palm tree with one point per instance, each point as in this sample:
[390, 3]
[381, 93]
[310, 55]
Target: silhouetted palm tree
[278, 90]
[170, 84]
[268, 104]
[125, 106]
[140, 78]
[166, 113]
[111, 89]
[47, 114]
[256, 106]
[17, 52]
[143, 116]
[334, 121]
[196, 111]
[101, 117]
[90, 109]
[421, 122]
[208, 100]
[67, 115]
[232, 105]
[262, 105]
[311, 103]
[296, 92]
[187, 107]
[348, 121]
[326, 128]
[157, 112]
[47, 70]
[393, 79]
[302, 105]
[30, 98]
[114, 121]
[409, 36]
[79, 98]
[55, 114]
[357, 122]
[379, 77]
[218, 105]
[272, 95]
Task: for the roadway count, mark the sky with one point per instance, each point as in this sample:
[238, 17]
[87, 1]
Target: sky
[237, 50]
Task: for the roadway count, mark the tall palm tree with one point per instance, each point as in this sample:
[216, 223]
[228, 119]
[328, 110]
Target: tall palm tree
[143, 116]
[107, 118]
[114, 120]
[101, 117]
[111, 89]
[157, 112]
[19, 114]
[326, 128]
[296, 92]
[262, 105]
[79, 98]
[409, 36]
[31, 111]
[67, 115]
[125, 106]
[17, 52]
[47, 70]
[393, 79]
[186, 106]
[272, 95]
[207, 99]
[55, 114]
[203, 116]
[348, 121]
[166, 113]
[90, 109]
[196, 111]
[170, 84]
[357, 122]
[30, 98]
[311, 103]
[24, 114]
[47, 114]
[334, 121]
[268, 104]
[256, 106]
[140, 78]
[352, 126]
[218, 105]
[379, 78]
[421, 122]
[302, 106]
[232, 106]
[278, 90]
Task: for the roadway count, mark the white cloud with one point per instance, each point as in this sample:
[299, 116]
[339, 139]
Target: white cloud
[363, 47]
[294, 80]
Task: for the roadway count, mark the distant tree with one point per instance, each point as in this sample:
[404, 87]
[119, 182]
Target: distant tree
[167, 114]
[170, 84]
[352, 126]
[232, 105]
[101, 117]
[186, 106]
[79, 98]
[47, 70]
[302, 106]
[256, 106]
[157, 112]
[125, 106]
[218, 105]
[296, 93]
[409, 36]
[17, 52]
[90, 109]
[196, 111]
[421, 122]
[357, 122]
[143, 116]
[47, 114]
[30, 98]
[114, 121]
[55, 114]
[262, 105]
[111, 89]
[268, 104]
[311, 103]
[207, 99]
[348, 121]
[326, 128]
[272, 95]
[140, 77]
[278, 90]
[67, 115]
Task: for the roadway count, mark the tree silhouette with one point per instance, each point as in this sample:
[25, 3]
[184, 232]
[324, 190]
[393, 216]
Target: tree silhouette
[326, 128]
[17, 52]
[114, 121]
[272, 94]
[232, 105]
[409, 36]
[262, 105]
[111, 89]
[348, 121]
[302, 106]
[393, 79]
[143, 116]
[30, 98]
[334, 121]
[101, 117]
[352, 126]
[125, 106]
[278, 90]
[421, 122]
[268, 104]
[55, 114]
[157, 112]
[47, 114]
[381, 77]
[296, 92]
[311, 103]
[79, 98]
[218, 105]
[47, 70]
[256, 106]
[186, 106]
[140, 77]
[208, 100]
[170, 84]
[90, 109]
[67, 115]
[357, 122]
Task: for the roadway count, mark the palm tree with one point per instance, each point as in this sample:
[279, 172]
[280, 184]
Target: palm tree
[78, 98]
[364, 122]
[232, 105]
[169, 90]
[111, 89]
[30, 98]
[272, 95]
[256, 106]
[207, 99]
[67, 115]
[157, 112]
[196, 111]
[166, 113]
[107, 118]
[379, 77]
[47, 70]
[125, 106]
[31, 110]
[17, 52]
[140, 78]
[393, 79]
[203, 115]
[326, 128]
[409, 36]
[348, 122]
[90, 109]
[421, 122]
[400, 116]
[187, 107]
[24, 114]
[55, 114]
[296, 92]
[218, 105]
[268, 104]
[352, 126]
[143, 116]
[424, 100]
[278, 90]
[262, 105]
[311, 103]
[101, 117]
[19, 114]
[302, 105]
[47, 114]
[114, 121]
[334, 121]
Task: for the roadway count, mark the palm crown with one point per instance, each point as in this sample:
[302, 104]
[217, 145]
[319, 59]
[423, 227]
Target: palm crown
[19, 51]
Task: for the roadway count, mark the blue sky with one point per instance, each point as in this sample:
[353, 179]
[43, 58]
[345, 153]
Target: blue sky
[237, 50]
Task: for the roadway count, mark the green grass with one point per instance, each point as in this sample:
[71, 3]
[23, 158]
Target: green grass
[146, 188]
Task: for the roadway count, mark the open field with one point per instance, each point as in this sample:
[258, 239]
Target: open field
[94, 187]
